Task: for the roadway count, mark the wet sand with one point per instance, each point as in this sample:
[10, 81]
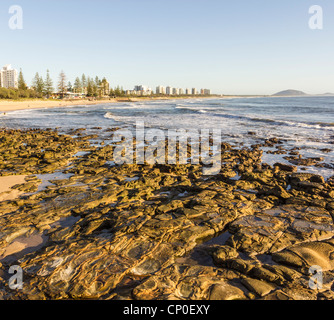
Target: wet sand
[6, 105]
[6, 183]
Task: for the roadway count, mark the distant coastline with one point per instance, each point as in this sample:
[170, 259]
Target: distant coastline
[23, 104]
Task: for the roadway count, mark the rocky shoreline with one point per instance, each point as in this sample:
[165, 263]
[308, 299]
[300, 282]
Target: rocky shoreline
[86, 229]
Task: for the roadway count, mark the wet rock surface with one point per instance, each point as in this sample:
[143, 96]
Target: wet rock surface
[88, 229]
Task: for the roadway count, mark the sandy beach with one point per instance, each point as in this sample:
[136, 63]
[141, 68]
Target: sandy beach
[6, 183]
[7, 105]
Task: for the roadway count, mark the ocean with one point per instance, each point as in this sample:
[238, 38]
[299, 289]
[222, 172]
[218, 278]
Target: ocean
[303, 123]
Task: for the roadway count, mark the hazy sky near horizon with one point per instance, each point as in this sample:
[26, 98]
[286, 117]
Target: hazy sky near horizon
[232, 47]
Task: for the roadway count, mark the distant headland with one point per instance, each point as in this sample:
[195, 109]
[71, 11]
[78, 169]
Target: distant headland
[289, 92]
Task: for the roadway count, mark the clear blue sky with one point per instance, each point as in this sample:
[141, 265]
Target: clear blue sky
[232, 47]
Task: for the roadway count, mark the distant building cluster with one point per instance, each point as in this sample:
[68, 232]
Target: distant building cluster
[141, 90]
[179, 91]
[8, 77]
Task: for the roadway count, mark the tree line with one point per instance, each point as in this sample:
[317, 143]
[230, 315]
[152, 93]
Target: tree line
[44, 87]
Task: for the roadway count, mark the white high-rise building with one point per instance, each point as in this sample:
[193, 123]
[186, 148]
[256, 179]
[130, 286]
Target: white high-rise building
[8, 77]
[143, 90]
[161, 90]
[169, 90]
[175, 91]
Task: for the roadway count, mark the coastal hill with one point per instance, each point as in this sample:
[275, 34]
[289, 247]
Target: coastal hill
[290, 93]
